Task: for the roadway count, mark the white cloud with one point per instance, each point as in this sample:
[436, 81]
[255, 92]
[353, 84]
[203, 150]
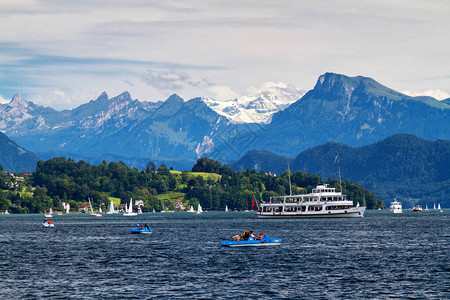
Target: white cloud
[437, 94]
[53, 98]
[243, 44]
[172, 80]
[281, 90]
[3, 100]
[222, 93]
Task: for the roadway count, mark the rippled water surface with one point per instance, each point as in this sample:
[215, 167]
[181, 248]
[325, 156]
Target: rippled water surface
[380, 256]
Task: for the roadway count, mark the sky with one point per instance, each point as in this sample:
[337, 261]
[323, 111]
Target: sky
[65, 53]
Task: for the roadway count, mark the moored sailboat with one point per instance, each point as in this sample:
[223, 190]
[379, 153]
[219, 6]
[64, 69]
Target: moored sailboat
[92, 210]
[199, 209]
[111, 208]
[48, 214]
[129, 210]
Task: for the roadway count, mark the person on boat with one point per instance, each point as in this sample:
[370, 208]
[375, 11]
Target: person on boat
[140, 227]
[236, 238]
[245, 235]
[251, 236]
[146, 226]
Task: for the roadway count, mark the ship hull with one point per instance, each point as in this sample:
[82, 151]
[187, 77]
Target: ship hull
[351, 213]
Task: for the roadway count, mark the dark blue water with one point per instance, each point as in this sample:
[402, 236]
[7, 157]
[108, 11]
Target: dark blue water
[380, 256]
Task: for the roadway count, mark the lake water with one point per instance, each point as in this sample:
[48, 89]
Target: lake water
[380, 256]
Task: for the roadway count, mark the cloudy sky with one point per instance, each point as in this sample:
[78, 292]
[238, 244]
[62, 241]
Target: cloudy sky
[64, 53]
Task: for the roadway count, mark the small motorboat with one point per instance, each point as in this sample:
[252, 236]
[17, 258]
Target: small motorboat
[417, 208]
[141, 229]
[48, 224]
[264, 241]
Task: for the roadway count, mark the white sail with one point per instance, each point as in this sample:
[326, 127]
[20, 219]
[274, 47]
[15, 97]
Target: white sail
[434, 206]
[90, 206]
[49, 214]
[191, 209]
[92, 210]
[199, 209]
[439, 206]
[129, 210]
[226, 207]
[6, 212]
[100, 210]
[426, 207]
[111, 208]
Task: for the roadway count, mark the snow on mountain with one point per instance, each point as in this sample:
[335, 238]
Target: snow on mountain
[259, 105]
[16, 111]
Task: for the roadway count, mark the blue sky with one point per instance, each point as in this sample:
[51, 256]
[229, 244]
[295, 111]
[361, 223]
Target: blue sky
[65, 53]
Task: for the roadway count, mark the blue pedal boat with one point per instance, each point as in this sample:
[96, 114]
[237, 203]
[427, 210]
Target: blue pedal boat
[264, 241]
[140, 229]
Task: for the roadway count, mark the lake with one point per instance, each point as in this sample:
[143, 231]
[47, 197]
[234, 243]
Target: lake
[379, 256]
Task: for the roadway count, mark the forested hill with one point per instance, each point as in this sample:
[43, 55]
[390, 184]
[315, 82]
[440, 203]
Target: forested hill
[210, 183]
[401, 166]
[14, 158]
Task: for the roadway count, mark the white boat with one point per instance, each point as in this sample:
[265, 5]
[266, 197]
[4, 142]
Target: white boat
[191, 209]
[323, 202]
[48, 224]
[226, 207]
[439, 207]
[434, 206]
[199, 209]
[396, 207]
[92, 210]
[153, 210]
[129, 210]
[49, 214]
[111, 208]
[6, 212]
[426, 207]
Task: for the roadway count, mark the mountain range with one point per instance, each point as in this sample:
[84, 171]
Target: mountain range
[354, 111]
[350, 110]
[14, 158]
[402, 166]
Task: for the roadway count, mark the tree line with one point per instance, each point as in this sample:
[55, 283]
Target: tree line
[61, 180]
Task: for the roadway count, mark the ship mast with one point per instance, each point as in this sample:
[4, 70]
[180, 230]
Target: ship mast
[339, 168]
[289, 173]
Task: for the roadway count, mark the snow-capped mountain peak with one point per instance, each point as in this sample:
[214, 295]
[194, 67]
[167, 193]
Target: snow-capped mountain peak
[259, 105]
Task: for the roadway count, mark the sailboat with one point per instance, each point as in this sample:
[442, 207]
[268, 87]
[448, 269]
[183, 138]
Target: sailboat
[49, 214]
[129, 210]
[111, 209]
[226, 207]
[439, 207]
[434, 206]
[426, 207]
[6, 212]
[191, 210]
[92, 210]
[153, 210]
[199, 209]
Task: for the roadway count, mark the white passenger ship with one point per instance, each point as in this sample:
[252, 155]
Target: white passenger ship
[323, 202]
[396, 207]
